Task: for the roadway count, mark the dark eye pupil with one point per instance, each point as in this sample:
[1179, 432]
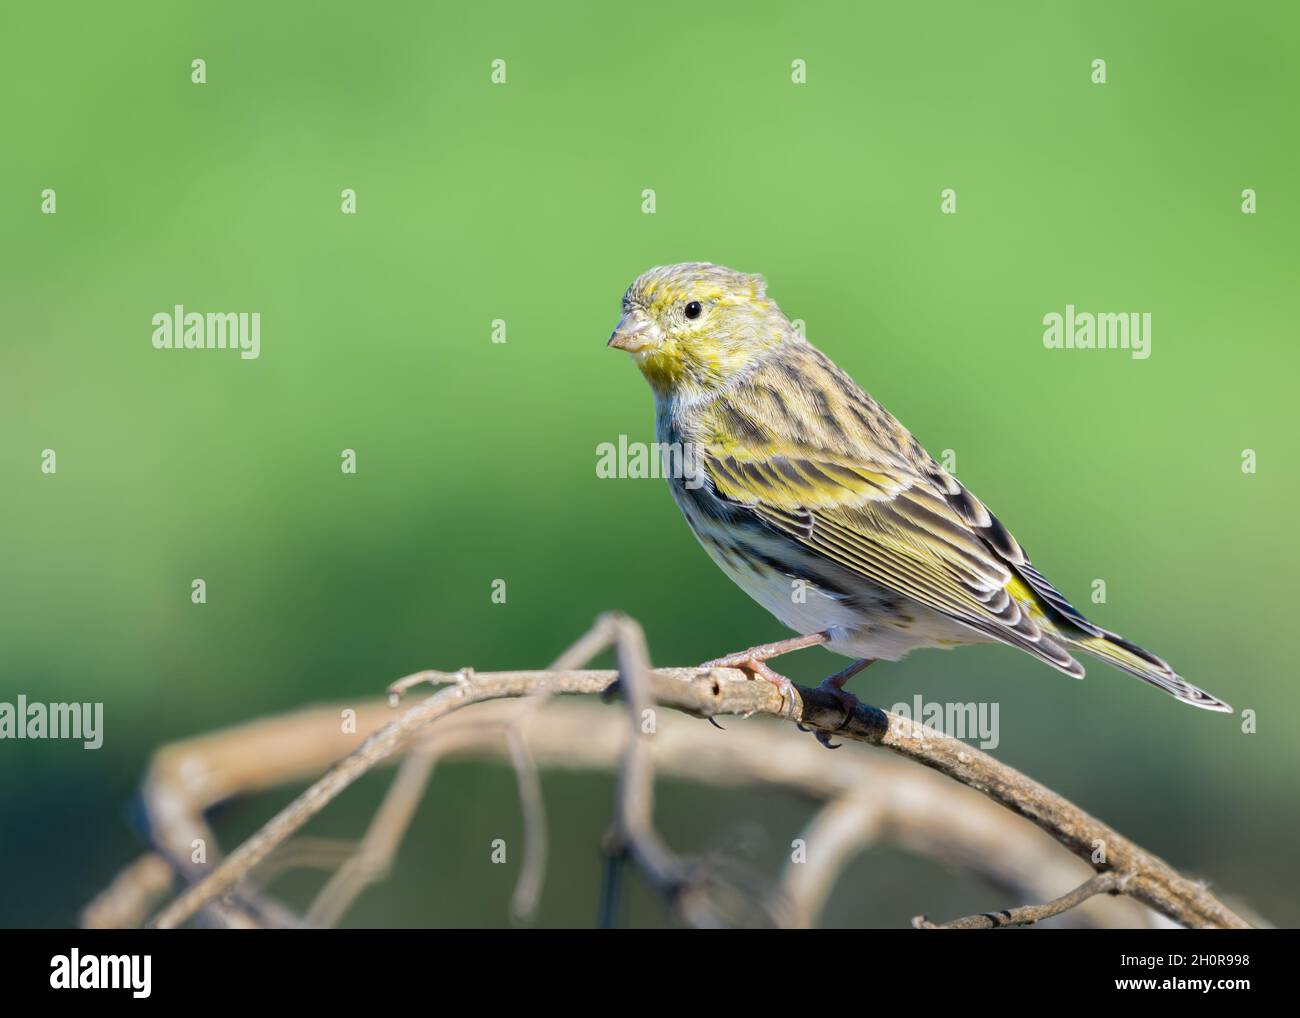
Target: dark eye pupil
[693, 309]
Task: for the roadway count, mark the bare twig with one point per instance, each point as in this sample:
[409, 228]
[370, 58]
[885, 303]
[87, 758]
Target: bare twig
[378, 848]
[1102, 883]
[373, 858]
[528, 889]
[634, 830]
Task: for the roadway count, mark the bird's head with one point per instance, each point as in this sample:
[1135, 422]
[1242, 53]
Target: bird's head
[692, 326]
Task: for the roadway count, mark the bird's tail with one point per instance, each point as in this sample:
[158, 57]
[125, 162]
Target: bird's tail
[1117, 651]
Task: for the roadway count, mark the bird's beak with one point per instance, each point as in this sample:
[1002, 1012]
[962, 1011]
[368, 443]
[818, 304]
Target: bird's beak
[634, 333]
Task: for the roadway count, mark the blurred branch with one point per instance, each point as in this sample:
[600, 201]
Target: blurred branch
[633, 835]
[920, 811]
[704, 693]
[371, 861]
[842, 828]
[132, 895]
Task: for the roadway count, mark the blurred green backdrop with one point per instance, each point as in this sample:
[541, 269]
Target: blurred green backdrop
[476, 460]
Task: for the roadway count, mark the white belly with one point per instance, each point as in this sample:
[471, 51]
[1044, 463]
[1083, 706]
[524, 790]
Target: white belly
[871, 623]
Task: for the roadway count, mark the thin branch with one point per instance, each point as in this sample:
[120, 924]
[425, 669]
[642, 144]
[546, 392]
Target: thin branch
[395, 811]
[528, 889]
[303, 853]
[634, 830]
[374, 856]
[1102, 883]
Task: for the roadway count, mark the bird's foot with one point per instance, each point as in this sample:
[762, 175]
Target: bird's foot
[761, 670]
[846, 700]
[835, 686]
[754, 660]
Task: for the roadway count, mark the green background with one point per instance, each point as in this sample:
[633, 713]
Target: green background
[477, 460]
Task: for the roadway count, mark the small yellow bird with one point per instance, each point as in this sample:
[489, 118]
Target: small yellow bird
[823, 508]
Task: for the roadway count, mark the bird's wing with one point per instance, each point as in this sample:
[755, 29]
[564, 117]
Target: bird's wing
[870, 500]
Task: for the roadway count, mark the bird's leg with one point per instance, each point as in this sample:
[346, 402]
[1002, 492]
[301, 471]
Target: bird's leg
[835, 683]
[766, 651]
[835, 686]
[755, 661]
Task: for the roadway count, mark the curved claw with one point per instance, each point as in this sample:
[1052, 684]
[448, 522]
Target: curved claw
[848, 703]
[825, 739]
[714, 722]
[791, 711]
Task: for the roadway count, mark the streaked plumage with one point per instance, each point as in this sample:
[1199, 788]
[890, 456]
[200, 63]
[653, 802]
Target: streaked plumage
[806, 477]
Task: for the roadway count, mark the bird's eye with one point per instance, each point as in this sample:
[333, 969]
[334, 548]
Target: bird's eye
[693, 309]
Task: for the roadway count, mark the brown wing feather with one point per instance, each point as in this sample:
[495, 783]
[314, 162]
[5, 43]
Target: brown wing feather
[865, 495]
